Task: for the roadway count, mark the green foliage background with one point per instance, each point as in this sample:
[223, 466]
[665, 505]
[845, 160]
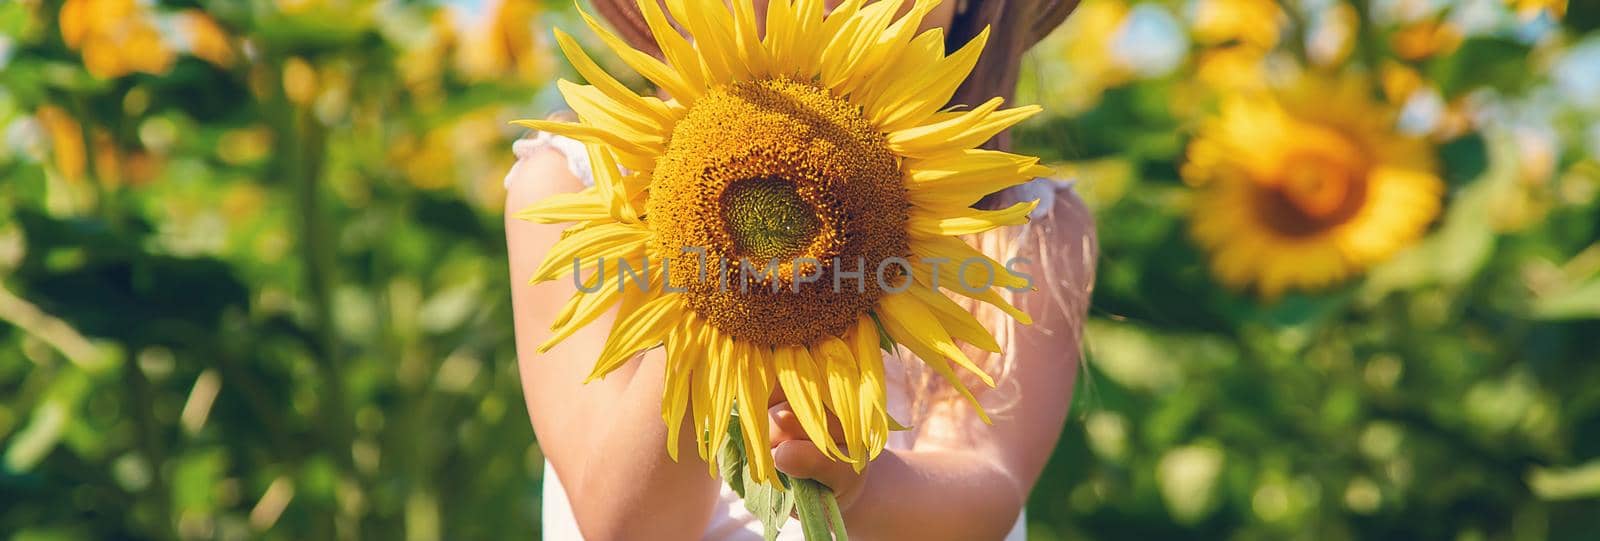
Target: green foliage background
[273, 306]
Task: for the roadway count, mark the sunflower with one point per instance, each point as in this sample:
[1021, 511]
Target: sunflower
[1529, 9]
[1304, 189]
[116, 37]
[1255, 23]
[821, 140]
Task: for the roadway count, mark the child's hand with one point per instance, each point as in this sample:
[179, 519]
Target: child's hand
[795, 455]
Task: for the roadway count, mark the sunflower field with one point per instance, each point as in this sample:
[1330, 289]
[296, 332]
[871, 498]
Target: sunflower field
[253, 272]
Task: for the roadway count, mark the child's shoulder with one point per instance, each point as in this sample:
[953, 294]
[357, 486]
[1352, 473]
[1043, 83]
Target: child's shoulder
[1064, 251]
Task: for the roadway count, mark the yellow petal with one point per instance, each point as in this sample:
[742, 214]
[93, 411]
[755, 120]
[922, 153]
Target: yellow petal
[969, 221]
[646, 106]
[956, 180]
[839, 366]
[747, 39]
[725, 383]
[680, 54]
[915, 100]
[934, 360]
[874, 391]
[634, 155]
[971, 269]
[584, 247]
[828, 29]
[586, 205]
[701, 384]
[803, 385]
[757, 378]
[808, 29]
[971, 166]
[852, 45]
[706, 24]
[613, 186]
[646, 66]
[884, 46]
[967, 129]
[913, 316]
[925, 50]
[637, 331]
[780, 38]
[598, 109]
[581, 310]
[956, 319]
[591, 281]
[683, 358]
[992, 297]
[923, 272]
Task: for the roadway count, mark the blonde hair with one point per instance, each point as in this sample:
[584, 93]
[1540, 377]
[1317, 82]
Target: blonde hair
[1058, 250]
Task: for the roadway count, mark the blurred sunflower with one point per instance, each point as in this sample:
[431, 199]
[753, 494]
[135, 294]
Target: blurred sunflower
[1528, 9]
[204, 38]
[1085, 44]
[1256, 23]
[113, 165]
[502, 45]
[116, 37]
[1426, 39]
[1303, 190]
[1237, 39]
[1423, 109]
[823, 142]
[66, 141]
[1236, 68]
[1106, 44]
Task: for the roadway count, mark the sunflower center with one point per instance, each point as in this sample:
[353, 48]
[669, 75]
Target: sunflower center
[766, 219]
[1315, 189]
[790, 193]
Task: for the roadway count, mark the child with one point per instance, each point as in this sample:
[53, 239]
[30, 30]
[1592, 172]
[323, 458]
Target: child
[951, 476]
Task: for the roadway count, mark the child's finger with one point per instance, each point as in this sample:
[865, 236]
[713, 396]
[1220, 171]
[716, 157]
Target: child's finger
[783, 425]
[803, 460]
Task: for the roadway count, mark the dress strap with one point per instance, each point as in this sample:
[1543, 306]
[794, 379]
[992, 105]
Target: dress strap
[577, 156]
[1044, 190]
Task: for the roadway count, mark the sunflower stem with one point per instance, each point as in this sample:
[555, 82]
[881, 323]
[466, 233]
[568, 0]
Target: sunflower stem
[820, 518]
[813, 503]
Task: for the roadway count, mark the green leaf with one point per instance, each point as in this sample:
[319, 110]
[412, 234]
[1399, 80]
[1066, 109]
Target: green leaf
[1494, 62]
[1465, 158]
[731, 461]
[1580, 302]
[770, 504]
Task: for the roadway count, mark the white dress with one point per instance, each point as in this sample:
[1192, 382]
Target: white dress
[729, 520]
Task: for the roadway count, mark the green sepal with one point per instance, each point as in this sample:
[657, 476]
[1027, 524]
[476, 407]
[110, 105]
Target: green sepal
[884, 341]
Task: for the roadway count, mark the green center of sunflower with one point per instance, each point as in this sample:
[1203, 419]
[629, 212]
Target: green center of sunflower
[781, 184]
[768, 219]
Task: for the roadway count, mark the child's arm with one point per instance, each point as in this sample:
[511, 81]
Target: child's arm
[965, 479]
[605, 439]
